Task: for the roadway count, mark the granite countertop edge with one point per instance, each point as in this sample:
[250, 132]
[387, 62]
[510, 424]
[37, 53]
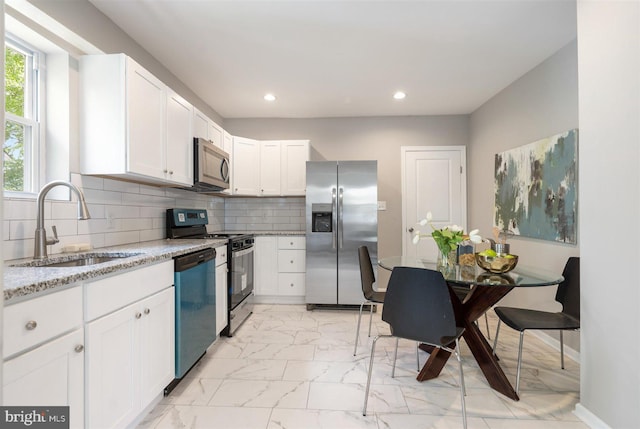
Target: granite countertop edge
[21, 282]
[277, 233]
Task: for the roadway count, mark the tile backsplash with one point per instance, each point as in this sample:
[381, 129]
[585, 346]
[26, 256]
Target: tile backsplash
[125, 212]
[264, 214]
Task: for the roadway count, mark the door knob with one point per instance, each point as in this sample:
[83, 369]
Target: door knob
[410, 229]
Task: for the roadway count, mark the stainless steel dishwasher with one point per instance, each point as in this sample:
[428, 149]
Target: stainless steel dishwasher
[195, 293]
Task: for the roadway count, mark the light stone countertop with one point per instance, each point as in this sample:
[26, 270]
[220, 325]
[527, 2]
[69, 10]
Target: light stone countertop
[20, 282]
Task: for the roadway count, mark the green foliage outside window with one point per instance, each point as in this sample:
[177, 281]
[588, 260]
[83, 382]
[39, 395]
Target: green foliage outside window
[14, 134]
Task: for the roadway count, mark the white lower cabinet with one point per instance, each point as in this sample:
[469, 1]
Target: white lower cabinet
[280, 269]
[291, 266]
[130, 349]
[44, 353]
[221, 289]
[50, 375]
[265, 258]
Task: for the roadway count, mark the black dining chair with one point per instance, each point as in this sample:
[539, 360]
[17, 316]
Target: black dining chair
[418, 307]
[371, 296]
[521, 319]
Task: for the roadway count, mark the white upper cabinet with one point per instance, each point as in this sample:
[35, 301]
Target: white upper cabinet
[269, 167]
[228, 143]
[179, 152]
[200, 124]
[205, 128]
[131, 124]
[293, 166]
[144, 102]
[246, 166]
[216, 134]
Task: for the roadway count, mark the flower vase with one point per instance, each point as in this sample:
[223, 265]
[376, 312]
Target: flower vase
[446, 260]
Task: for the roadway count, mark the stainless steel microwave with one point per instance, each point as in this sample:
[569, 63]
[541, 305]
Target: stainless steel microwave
[211, 166]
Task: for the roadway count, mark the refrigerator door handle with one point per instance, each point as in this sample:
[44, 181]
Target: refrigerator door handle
[340, 226]
[334, 218]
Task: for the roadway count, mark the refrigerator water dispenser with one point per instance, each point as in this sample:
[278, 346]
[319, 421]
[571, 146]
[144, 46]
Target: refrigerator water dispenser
[321, 218]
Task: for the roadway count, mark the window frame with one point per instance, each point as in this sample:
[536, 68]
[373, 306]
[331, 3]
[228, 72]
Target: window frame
[34, 114]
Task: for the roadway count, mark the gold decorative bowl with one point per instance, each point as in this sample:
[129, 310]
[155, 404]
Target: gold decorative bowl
[497, 264]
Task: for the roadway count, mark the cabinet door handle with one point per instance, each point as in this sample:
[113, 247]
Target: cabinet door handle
[31, 325]
[170, 171]
[79, 348]
[147, 311]
[292, 261]
[138, 315]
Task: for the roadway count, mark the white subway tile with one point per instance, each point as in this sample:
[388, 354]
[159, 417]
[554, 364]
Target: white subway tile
[121, 186]
[87, 182]
[22, 229]
[95, 196]
[120, 238]
[152, 234]
[24, 209]
[18, 249]
[61, 210]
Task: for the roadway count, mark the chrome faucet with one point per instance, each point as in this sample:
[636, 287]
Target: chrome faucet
[40, 248]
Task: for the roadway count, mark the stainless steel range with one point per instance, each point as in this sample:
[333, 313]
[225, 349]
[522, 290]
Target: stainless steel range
[191, 223]
[240, 280]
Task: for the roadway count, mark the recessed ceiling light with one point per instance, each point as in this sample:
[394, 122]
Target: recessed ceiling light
[270, 97]
[399, 95]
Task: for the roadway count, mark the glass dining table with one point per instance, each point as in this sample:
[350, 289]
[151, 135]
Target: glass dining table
[474, 291]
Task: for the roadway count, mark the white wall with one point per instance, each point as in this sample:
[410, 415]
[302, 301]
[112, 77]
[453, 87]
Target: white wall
[609, 94]
[541, 103]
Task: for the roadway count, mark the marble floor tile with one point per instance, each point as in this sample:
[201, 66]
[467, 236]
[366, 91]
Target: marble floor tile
[350, 397]
[197, 417]
[421, 421]
[261, 394]
[289, 368]
[320, 419]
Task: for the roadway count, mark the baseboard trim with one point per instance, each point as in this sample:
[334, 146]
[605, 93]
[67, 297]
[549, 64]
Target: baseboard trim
[278, 299]
[552, 342]
[589, 418]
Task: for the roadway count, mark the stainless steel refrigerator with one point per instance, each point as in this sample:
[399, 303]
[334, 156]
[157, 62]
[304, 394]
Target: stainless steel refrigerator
[341, 215]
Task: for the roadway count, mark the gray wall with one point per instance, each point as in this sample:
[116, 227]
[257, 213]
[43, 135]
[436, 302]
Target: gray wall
[541, 103]
[361, 139]
[609, 70]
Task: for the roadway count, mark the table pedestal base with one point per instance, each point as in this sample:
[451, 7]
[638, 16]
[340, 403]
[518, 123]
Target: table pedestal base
[475, 304]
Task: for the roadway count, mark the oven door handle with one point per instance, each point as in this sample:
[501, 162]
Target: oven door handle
[241, 252]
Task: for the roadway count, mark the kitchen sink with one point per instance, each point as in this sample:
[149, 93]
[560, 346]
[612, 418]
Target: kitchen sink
[77, 260]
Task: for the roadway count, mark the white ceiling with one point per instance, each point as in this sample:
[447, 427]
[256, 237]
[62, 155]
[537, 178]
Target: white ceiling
[346, 58]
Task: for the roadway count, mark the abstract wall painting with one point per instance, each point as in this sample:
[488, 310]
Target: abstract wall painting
[536, 189]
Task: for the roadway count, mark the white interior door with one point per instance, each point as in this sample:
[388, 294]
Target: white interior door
[433, 180]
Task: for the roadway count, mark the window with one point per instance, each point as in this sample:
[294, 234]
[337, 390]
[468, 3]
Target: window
[21, 149]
